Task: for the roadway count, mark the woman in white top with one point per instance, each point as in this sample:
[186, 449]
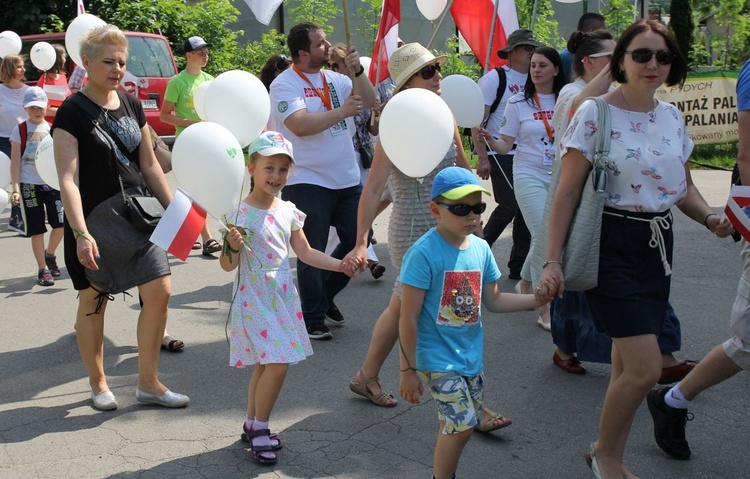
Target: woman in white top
[527, 122]
[647, 174]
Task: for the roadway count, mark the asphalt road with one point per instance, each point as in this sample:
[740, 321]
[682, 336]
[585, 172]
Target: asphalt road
[48, 428]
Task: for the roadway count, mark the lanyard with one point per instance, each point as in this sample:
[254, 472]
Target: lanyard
[326, 97]
[550, 132]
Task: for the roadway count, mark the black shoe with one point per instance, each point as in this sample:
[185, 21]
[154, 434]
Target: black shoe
[669, 425]
[51, 261]
[44, 278]
[319, 331]
[334, 315]
[377, 270]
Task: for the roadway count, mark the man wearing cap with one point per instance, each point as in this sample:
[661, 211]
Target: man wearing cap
[499, 168]
[178, 108]
[314, 108]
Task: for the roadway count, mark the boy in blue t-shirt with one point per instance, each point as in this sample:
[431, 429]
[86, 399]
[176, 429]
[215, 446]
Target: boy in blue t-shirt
[444, 275]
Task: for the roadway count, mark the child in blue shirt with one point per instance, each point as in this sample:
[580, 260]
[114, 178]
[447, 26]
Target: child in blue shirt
[445, 275]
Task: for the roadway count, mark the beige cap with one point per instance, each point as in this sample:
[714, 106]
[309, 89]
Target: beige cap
[408, 60]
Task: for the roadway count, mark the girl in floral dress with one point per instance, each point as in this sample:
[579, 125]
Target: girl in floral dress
[267, 329]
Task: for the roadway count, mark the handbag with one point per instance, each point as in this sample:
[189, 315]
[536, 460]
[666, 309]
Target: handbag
[365, 156]
[580, 257]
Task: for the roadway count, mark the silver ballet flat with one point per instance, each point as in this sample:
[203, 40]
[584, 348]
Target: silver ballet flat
[104, 401]
[168, 399]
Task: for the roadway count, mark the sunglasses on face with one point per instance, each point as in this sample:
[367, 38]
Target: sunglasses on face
[643, 55]
[464, 210]
[427, 72]
[335, 66]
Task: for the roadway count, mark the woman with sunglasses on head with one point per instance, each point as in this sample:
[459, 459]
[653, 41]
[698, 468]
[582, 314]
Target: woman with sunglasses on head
[573, 329]
[411, 66]
[647, 174]
[274, 65]
[527, 123]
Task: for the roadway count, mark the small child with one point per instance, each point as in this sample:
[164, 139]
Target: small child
[267, 328]
[444, 275]
[30, 192]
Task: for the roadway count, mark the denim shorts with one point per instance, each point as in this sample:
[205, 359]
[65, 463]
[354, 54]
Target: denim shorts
[459, 399]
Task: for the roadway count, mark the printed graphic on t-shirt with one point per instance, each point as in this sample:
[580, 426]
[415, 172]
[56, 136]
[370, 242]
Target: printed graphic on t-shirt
[339, 127]
[459, 303]
[32, 143]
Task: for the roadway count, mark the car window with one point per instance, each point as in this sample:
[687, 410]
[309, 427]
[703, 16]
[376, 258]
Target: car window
[149, 57]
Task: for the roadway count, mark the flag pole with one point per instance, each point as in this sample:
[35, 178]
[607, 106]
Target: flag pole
[492, 37]
[345, 10]
[440, 23]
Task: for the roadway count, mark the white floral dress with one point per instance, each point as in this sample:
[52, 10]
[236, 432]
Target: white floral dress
[266, 323]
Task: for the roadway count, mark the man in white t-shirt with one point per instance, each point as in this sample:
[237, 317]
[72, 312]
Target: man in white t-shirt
[314, 108]
[499, 168]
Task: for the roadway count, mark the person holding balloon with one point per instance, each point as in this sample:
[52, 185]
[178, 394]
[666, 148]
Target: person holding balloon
[412, 67]
[12, 112]
[104, 252]
[178, 108]
[314, 108]
[30, 191]
[53, 80]
[527, 123]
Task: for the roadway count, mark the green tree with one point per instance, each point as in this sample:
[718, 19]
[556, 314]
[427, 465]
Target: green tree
[619, 14]
[681, 23]
[369, 15]
[545, 27]
[317, 11]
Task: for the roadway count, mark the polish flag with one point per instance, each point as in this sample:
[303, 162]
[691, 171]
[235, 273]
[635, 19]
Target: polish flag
[180, 226]
[474, 20]
[736, 212]
[386, 41]
[263, 9]
[79, 9]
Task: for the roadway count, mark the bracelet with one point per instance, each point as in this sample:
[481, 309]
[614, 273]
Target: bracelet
[80, 234]
[549, 262]
[361, 71]
[409, 369]
[705, 220]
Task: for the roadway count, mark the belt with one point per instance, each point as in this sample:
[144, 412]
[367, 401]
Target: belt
[657, 224]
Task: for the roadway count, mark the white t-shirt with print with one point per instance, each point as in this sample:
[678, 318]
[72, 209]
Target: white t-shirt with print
[35, 134]
[535, 151]
[514, 83]
[12, 111]
[647, 155]
[327, 158]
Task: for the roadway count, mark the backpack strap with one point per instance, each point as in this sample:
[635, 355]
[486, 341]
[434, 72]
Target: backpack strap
[23, 129]
[500, 89]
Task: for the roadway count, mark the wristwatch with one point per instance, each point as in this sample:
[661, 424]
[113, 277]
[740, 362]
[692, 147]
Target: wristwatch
[361, 71]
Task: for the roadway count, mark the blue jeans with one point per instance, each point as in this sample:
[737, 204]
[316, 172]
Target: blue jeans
[324, 208]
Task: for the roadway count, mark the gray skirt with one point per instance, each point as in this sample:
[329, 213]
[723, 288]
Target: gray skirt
[128, 258]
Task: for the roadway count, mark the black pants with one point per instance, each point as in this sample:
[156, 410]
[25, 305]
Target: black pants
[507, 211]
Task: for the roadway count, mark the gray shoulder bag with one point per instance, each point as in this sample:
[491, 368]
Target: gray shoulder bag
[581, 251]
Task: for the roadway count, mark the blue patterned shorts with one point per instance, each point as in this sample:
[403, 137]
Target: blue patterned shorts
[459, 399]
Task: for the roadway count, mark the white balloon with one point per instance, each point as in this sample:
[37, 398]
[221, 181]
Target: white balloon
[45, 162]
[365, 62]
[75, 32]
[10, 43]
[464, 98]
[209, 165]
[238, 101]
[199, 99]
[3, 199]
[416, 130]
[4, 170]
[43, 56]
[431, 9]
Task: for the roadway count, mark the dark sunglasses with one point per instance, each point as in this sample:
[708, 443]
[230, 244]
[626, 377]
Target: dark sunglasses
[282, 63]
[643, 55]
[464, 210]
[428, 72]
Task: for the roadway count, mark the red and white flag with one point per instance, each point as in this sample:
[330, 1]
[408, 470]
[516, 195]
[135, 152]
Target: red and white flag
[180, 226]
[263, 9]
[739, 198]
[386, 41]
[474, 20]
[79, 9]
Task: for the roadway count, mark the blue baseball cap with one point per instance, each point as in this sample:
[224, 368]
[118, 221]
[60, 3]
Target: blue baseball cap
[271, 143]
[454, 183]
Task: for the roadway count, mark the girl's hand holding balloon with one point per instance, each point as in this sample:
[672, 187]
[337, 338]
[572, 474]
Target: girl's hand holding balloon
[234, 237]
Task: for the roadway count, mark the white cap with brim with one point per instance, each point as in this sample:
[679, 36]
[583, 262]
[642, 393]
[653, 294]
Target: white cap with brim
[271, 143]
[35, 96]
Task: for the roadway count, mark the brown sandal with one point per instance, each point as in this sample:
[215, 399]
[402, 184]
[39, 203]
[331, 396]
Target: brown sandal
[363, 390]
[489, 418]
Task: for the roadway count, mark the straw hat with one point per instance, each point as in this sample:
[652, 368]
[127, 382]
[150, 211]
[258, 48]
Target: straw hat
[408, 60]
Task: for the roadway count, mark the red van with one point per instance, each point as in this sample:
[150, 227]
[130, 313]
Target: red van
[150, 66]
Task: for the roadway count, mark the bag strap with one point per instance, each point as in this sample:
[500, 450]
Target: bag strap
[23, 130]
[604, 132]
